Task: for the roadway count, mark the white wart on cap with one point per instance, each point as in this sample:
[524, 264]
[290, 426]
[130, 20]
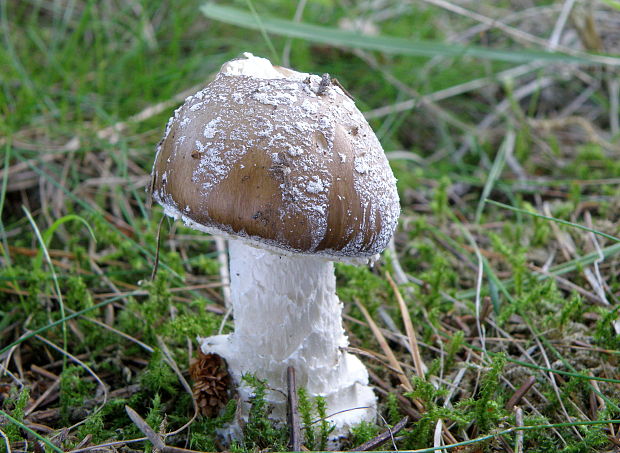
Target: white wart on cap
[279, 158]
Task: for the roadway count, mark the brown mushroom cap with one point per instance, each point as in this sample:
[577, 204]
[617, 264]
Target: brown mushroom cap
[288, 162]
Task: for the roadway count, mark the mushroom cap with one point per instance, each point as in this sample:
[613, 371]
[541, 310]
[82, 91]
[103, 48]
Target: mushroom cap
[279, 158]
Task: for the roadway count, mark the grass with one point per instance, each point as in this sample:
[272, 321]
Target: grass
[506, 255]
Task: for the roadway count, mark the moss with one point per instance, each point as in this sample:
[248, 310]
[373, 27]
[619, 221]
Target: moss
[363, 432]
[74, 390]
[159, 376]
[307, 415]
[260, 432]
[204, 436]
[15, 405]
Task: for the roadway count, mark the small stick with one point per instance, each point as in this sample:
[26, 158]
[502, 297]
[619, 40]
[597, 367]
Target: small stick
[84, 441]
[152, 436]
[520, 393]
[386, 435]
[42, 397]
[293, 414]
[43, 372]
[519, 436]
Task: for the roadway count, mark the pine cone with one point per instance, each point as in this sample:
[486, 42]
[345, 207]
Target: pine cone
[211, 383]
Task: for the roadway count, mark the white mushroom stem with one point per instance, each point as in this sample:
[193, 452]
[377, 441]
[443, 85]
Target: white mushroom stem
[287, 314]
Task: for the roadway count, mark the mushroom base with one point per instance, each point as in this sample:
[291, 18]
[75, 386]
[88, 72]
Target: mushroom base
[287, 314]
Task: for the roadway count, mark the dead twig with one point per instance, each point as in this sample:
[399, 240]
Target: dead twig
[520, 393]
[45, 395]
[519, 435]
[386, 435]
[293, 414]
[151, 435]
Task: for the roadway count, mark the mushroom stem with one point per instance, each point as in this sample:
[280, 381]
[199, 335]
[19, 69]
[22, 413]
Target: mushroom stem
[287, 314]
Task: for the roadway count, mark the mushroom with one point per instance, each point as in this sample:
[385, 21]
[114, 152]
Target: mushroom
[285, 166]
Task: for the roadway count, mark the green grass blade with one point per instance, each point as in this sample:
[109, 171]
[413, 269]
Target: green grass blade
[533, 366]
[65, 319]
[387, 44]
[553, 219]
[495, 172]
[259, 23]
[560, 269]
[61, 302]
[47, 236]
[30, 431]
[512, 430]
[90, 209]
[5, 181]
[612, 3]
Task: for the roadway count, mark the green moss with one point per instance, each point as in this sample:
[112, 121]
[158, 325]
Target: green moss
[15, 405]
[393, 410]
[605, 335]
[421, 433]
[453, 347]
[95, 426]
[307, 415]
[159, 376]
[325, 426]
[74, 390]
[260, 432]
[78, 297]
[203, 435]
[191, 325]
[439, 205]
[363, 433]
[360, 283]
[488, 407]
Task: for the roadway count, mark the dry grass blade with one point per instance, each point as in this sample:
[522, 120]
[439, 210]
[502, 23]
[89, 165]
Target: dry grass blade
[491, 22]
[73, 358]
[6, 441]
[385, 347]
[439, 427]
[509, 74]
[411, 336]
[108, 446]
[554, 39]
[446, 82]
[115, 331]
[519, 435]
[112, 133]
